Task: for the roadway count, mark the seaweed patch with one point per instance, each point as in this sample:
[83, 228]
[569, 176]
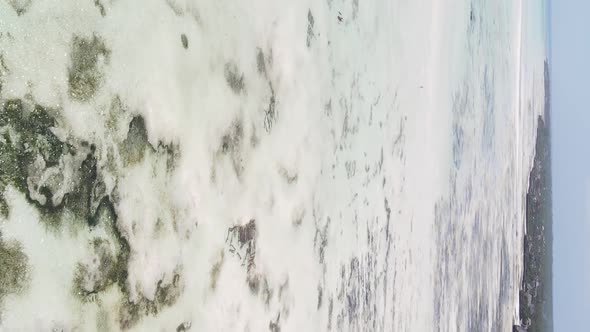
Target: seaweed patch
[100, 7]
[3, 69]
[310, 23]
[231, 145]
[260, 65]
[134, 146]
[56, 177]
[270, 114]
[20, 6]
[215, 270]
[241, 241]
[167, 293]
[233, 78]
[184, 326]
[99, 272]
[63, 179]
[28, 147]
[14, 271]
[84, 75]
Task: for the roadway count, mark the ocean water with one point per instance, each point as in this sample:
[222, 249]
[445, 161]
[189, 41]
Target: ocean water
[263, 165]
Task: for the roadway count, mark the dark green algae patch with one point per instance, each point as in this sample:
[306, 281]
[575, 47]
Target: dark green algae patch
[130, 313]
[29, 148]
[136, 143]
[111, 255]
[33, 160]
[84, 74]
[26, 144]
[14, 269]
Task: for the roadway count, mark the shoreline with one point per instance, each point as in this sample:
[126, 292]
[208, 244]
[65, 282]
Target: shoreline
[535, 298]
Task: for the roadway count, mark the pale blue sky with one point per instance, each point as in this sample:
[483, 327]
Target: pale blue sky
[570, 88]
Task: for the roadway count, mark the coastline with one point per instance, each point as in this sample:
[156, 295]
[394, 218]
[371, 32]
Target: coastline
[536, 302]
